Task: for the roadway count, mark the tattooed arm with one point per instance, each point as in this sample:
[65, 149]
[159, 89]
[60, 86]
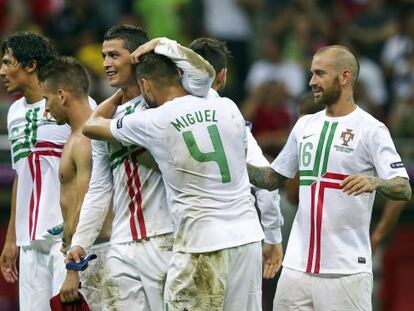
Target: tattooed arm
[397, 188]
[265, 177]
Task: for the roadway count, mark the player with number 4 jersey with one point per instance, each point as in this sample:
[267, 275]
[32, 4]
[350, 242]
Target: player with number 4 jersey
[199, 145]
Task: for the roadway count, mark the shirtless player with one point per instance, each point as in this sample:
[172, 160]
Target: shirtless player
[65, 85]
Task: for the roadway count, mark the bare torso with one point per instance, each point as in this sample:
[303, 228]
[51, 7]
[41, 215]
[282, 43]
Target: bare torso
[74, 183]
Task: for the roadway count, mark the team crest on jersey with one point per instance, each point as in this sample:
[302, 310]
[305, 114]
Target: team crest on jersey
[346, 136]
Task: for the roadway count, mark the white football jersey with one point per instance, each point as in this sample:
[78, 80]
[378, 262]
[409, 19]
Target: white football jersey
[268, 202]
[132, 176]
[199, 146]
[36, 147]
[330, 233]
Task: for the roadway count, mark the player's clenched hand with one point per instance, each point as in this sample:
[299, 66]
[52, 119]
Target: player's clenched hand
[69, 290]
[144, 49]
[272, 259]
[8, 260]
[74, 254]
[357, 184]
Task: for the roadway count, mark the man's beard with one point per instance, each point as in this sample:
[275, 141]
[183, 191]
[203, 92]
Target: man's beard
[331, 95]
[150, 103]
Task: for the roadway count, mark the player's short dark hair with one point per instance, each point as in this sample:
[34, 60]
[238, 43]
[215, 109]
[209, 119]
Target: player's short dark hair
[159, 69]
[67, 73]
[132, 36]
[28, 47]
[212, 50]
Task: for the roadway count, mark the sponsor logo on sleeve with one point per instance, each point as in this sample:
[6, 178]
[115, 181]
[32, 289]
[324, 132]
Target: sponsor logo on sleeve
[397, 165]
[362, 260]
[119, 123]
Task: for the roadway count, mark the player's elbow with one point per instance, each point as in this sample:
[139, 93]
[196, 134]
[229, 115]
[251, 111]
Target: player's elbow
[88, 128]
[404, 190]
[409, 192]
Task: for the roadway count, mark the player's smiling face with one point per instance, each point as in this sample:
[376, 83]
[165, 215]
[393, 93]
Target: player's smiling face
[324, 81]
[12, 73]
[117, 63]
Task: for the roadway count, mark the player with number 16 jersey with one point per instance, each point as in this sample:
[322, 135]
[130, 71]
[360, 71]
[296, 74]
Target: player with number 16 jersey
[332, 235]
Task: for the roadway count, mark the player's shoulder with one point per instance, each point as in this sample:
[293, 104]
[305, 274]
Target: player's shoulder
[17, 104]
[367, 116]
[78, 144]
[367, 120]
[16, 107]
[312, 117]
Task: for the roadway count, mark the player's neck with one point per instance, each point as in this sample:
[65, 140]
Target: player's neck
[78, 113]
[32, 92]
[130, 91]
[343, 107]
[172, 92]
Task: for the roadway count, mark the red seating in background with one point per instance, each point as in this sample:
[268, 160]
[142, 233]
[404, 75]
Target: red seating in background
[398, 272]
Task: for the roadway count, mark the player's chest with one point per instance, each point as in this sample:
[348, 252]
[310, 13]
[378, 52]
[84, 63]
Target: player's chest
[337, 144]
[34, 124]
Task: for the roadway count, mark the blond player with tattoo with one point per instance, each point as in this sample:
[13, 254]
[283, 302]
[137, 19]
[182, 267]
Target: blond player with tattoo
[343, 156]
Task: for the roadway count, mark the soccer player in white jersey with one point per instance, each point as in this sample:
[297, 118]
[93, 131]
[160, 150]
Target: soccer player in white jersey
[216, 53]
[36, 148]
[142, 228]
[199, 145]
[343, 156]
[65, 87]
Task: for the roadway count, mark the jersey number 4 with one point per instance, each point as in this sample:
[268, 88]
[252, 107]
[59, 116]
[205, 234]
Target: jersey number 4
[217, 155]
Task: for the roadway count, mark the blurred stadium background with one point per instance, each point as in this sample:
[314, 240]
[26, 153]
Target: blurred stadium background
[272, 42]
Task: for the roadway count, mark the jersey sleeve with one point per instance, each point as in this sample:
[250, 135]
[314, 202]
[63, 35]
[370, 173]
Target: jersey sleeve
[286, 163]
[268, 202]
[198, 75]
[131, 129]
[97, 200]
[387, 161]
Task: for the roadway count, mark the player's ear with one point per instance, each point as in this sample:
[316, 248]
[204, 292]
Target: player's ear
[31, 66]
[146, 85]
[63, 95]
[221, 78]
[346, 77]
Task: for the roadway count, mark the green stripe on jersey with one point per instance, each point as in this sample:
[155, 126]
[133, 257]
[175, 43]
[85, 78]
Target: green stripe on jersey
[119, 156]
[22, 149]
[324, 144]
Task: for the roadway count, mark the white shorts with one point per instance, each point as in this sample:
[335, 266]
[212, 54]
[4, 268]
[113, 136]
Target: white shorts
[135, 274]
[41, 274]
[228, 279]
[299, 291]
[92, 278]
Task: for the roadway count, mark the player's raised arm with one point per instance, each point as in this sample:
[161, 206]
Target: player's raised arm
[197, 73]
[97, 126]
[265, 177]
[97, 200]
